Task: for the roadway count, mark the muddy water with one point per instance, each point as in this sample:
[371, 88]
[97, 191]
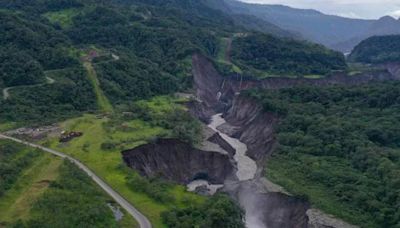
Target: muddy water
[247, 167]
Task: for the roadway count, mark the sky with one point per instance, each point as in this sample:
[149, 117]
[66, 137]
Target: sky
[367, 9]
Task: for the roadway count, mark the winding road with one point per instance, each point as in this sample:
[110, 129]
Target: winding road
[6, 91]
[140, 218]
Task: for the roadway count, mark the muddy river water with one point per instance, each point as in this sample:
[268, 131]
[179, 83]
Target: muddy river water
[247, 167]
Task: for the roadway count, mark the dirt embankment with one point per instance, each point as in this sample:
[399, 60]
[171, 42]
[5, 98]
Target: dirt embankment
[244, 117]
[179, 162]
[247, 122]
[217, 92]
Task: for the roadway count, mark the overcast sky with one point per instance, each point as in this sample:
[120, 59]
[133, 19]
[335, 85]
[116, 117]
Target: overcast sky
[348, 8]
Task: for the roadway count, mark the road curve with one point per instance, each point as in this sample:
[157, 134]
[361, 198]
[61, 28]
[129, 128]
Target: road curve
[6, 91]
[140, 218]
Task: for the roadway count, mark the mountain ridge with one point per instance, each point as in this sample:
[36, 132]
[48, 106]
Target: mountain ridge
[336, 32]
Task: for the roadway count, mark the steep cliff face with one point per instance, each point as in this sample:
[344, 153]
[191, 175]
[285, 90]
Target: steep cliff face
[247, 122]
[269, 209]
[217, 92]
[179, 162]
[244, 117]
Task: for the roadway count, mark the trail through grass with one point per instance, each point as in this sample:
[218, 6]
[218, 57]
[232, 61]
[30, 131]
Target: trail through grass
[102, 101]
[17, 202]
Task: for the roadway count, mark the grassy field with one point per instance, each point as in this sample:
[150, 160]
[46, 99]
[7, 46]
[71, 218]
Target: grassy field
[63, 17]
[108, 164]
[102, 101]
[16, 203]
[7, 126]
[222, 56]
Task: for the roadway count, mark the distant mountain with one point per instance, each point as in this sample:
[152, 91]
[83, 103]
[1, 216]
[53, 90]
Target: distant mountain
[332, 31]
[377, 49]
[218, 11]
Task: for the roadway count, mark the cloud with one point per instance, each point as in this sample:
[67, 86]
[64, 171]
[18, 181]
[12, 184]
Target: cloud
[349, 8]
[395, 14]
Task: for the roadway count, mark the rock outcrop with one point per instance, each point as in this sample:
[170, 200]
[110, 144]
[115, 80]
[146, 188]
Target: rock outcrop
[179, 162]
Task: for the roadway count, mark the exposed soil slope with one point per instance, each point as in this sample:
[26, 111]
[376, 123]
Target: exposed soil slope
[179, 162]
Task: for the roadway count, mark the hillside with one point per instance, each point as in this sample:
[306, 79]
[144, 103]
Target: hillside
[73, 44]
[339, 147]
[377, 49]
[40, 190]
[284, 57]
[336, 32]
[135, 90]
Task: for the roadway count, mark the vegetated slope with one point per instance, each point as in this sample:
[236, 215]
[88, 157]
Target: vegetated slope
[154, 40]
[377, 49]
[39, 190]
[217, 211]
[336, 32]
[339, 147]
[28, 48]
[279, 56]
[219, 13]
[70, 95]
[72, 200]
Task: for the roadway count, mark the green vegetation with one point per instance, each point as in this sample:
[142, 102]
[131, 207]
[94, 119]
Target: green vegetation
[264, 55]
[377, 49]
[102, 101]
[72, 200]
[223, 62]
[39, 190]
[167, 113]
[217, 211]
[62, 18]
[12, 164]
[339, 147]
[29, 186]
[100, 149]
[69, 95]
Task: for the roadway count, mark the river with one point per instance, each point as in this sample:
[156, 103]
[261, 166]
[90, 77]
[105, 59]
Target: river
[247, 167]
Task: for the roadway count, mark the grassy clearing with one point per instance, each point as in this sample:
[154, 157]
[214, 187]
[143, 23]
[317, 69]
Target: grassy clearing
[63, 17]
[223, 58]
[102, 101]
[7, 126]
[109, 165]
[17, 202]
[313, 76]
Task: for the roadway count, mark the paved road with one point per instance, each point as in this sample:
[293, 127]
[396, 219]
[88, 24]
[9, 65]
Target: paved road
[140, 218]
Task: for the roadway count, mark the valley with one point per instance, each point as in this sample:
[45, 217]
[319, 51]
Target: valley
[195, 113]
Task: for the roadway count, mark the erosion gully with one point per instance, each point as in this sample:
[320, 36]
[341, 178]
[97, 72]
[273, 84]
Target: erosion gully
[243, 125]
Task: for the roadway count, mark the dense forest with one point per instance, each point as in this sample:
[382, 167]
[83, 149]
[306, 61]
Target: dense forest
[377, 49]
[73, 200]
[154, 40]
[340, 147]
[217, 211]
[13, 160]
[284, 56]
